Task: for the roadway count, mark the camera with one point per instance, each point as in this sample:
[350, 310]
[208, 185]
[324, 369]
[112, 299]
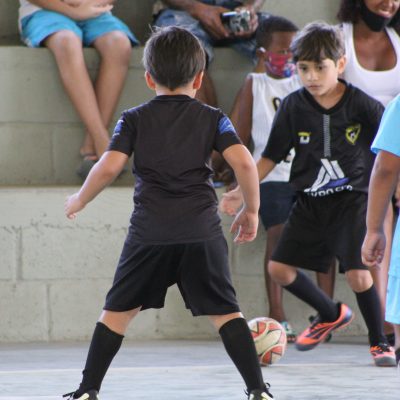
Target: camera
[237, 21]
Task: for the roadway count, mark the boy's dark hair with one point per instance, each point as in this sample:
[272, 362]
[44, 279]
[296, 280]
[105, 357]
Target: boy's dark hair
[318, 41]
[349, 11]
[270, 24]
[173, 56]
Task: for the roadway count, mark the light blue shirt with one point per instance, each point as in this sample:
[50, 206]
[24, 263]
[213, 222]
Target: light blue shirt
[388, 139]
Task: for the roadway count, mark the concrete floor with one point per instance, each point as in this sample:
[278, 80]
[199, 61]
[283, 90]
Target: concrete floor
[198, 370]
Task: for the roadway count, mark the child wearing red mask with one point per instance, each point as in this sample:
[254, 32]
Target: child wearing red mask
[252, 117]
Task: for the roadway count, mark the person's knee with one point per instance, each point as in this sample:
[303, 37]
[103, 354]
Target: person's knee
[281, 273]
[219, 320]
[64, 43]
[114, 46]
[359, 280]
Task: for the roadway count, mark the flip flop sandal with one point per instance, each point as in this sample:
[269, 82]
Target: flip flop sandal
[86, 165]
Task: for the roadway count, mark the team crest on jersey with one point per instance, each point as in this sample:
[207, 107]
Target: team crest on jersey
[304, 137]
[352, 133]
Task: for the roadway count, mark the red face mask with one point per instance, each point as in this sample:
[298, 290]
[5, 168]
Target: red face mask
[280, 65]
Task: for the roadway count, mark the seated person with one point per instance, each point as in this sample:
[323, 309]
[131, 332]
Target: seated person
[65, 27]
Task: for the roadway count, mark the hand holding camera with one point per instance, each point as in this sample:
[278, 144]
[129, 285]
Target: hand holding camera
[237, 21]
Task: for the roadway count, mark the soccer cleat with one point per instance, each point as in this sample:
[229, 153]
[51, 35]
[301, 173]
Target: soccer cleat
[319, 330]
[311, 320]
[89, 395]
[383, 355]
[258, 394]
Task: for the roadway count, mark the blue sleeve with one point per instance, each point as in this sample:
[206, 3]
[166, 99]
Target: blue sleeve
[123, 138]
[226, 135]
[388, 136]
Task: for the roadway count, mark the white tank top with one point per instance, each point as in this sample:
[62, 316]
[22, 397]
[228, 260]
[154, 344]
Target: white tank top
[26, 9]
[267, 95]
[381, 85]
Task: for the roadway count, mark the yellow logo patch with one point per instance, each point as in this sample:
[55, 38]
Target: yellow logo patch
[304, 137]
[352, 133]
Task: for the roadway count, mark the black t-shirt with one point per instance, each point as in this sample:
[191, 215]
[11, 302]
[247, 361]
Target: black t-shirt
[332, 146]
[172, 138]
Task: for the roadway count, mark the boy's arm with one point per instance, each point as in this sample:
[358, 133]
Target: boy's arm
[233, 200]
[101, 175]
[246, 222]
[381, 188]
[85, 10]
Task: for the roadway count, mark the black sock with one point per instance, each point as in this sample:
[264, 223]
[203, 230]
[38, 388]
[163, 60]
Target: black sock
[104, 346]
[370, 307]
[306, 290]
[240, 347]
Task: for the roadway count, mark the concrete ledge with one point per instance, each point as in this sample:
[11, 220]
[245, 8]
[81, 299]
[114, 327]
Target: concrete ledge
[54, 273]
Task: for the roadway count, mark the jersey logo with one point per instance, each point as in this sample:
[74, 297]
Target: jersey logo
[304, 137]
[276, 102]
[330, 179]
[352, 133]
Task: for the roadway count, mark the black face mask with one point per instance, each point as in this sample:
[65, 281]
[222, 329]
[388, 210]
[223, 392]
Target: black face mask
[375, 22]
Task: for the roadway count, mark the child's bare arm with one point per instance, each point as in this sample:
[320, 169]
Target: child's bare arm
[381, 188]
[85, 10]
[101, 175]
[246, 222]
[233, 200]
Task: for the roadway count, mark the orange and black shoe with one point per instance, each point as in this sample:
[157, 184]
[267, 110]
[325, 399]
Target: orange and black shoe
[383, 355]
[319, 330]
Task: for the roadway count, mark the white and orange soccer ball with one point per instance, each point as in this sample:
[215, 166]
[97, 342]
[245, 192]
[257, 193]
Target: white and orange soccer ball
[270, 339]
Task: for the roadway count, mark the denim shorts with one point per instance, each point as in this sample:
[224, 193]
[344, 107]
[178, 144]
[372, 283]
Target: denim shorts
[41, 24]
[276, 201]
[170, 17]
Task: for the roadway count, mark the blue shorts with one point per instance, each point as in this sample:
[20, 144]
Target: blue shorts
[171, 17]
[276, 201]
[41, 24]
[393, 300]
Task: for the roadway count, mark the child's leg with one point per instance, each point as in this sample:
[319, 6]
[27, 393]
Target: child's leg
[380, 275]
[67, 50]
[369, 303]
[106, 341]
[299, 284]
[239, 345]
[326, 281]
[115, 51]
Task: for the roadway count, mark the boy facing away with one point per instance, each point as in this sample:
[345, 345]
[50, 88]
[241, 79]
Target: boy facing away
[383, 182]
[331, 126]
[175, 234]
[252, 117]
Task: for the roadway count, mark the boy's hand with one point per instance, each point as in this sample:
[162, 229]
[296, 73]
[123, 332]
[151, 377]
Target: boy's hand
[231, 202]
[373, 249]
[245, 226]
[73, 205]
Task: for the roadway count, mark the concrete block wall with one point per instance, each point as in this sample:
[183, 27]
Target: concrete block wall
[54, 273]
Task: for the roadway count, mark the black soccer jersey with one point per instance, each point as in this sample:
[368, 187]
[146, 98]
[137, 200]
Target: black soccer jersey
[172, 138]
[332, 146]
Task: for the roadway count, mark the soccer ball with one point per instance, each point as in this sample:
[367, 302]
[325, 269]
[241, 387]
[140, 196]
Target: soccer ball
[270, 339]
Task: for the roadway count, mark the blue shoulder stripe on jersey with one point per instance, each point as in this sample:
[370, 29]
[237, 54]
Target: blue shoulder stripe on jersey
[225, 126]
[118, 126]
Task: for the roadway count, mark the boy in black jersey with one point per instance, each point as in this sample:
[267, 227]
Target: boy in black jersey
[175, 234]
[331, 126]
